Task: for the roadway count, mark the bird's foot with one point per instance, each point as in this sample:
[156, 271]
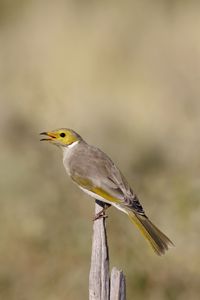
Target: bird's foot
[100, 215]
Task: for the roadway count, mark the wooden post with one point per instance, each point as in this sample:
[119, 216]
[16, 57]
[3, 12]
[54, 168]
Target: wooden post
[99, 283]
[117, 285]
[99, 279]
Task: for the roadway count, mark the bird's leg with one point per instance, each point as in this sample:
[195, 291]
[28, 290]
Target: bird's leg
[101, 214]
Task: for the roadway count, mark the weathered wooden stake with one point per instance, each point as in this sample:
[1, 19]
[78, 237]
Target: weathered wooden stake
[99, 284]
[117, 285]
[99, 279]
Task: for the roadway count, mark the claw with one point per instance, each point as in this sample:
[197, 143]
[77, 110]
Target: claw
[99, 216]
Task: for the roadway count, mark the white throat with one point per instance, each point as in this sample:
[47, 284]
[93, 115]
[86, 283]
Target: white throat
[72, 145]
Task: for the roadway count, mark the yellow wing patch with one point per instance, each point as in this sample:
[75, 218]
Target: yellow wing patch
[87, 184]
[83, 182]
[105, 195]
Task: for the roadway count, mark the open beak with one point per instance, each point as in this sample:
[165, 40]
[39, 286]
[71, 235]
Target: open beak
[51, 136]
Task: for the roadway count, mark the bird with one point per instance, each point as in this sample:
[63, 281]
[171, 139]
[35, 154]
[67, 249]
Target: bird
[97, 175]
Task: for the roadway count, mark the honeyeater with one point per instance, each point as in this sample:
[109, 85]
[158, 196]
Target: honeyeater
[97, 175]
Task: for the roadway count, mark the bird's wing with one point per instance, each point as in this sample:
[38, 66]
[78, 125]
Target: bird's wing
[130, 199]
[98, 174]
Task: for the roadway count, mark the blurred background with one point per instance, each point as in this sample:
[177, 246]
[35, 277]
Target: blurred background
[125, 75]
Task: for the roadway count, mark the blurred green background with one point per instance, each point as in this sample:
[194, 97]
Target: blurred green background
[126, 76]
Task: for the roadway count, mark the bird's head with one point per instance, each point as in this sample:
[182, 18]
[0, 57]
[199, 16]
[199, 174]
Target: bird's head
[61, 137]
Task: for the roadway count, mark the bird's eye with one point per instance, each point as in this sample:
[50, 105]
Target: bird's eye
[62, 134]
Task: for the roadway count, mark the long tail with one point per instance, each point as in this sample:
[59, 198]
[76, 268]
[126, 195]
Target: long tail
[158, 240]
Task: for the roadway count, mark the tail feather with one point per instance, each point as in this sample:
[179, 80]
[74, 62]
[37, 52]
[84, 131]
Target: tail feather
[158, 240]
